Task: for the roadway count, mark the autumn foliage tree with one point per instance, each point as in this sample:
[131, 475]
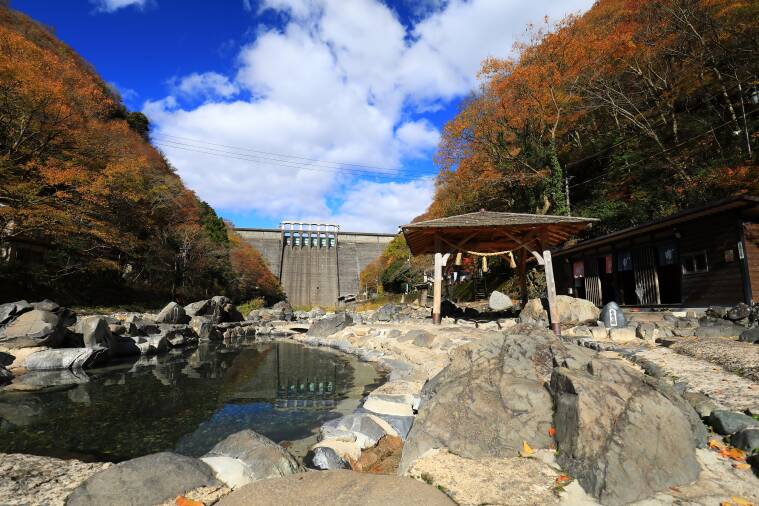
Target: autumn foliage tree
[83, 188]
[634, 110]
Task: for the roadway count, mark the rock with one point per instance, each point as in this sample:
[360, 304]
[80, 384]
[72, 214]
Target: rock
[570, 309]
[231, 314]
[204, 328]
[177, 335]
[283, 311]
[612, 316]
[746, 439]
[623, 435]
[46, 305]
[750, 336]
[721, 330]
[647, 332]
[383, 458]
[198, 308]
[257, 458]
[386, 313]
[325, 458]
[738, 312]
[172, 313]
[729, 422]
[701, 403]
[316, 312]
[425, 340]
[220, 300]
[622, 334]
[5, 376]
[65, 358]
[95, 332]
[338, 487]
[330, 324]
[412, 335]
[499, 301]
[147, 480]
[12, 310]
[348, 451]
[33, 328]
[34, 480]
[364, 428]
[491, 397]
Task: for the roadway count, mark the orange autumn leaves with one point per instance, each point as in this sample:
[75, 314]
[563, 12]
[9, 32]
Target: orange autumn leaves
[106, 205]
[637, 104]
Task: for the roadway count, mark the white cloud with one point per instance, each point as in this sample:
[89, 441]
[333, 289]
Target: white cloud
[114, 5]
[207, 85]
[417, 137]
[381, 207]
[342, 82]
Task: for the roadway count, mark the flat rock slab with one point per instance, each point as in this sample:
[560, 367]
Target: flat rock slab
[338, 487]
[147, 480]
[503, 481]
[31, 480]
[739, 357]
[726, 389]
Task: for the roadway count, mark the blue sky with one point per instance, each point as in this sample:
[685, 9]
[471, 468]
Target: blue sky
[323, 110]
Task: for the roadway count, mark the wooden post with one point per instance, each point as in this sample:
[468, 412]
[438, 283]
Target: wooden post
[523, 276]
[553, 311]
[437, 282]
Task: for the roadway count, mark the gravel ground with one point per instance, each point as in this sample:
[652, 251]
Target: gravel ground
[735, 356]
[725, 388]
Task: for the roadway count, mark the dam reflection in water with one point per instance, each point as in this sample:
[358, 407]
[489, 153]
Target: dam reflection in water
[185, 401]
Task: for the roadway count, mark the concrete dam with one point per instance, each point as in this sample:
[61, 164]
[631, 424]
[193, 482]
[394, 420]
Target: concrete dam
[316, 263]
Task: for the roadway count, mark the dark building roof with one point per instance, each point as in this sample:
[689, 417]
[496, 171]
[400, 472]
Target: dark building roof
[744, 203]
[488, 231]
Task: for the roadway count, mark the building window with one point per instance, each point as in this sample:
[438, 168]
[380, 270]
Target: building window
[695, 262]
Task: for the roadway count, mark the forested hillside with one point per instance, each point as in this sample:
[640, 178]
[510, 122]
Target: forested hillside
[88, 208]
[632, 111]
[635, 110]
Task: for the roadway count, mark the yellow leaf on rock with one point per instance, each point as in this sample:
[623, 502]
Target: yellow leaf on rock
[715, 444]
[733, 453]
[740, 501]
[742, 466]
[526, 450]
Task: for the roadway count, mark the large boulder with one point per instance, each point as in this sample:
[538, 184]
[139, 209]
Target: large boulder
[729, 422]
[338, 487]
[282, 310]
[199, 308]
[491, 398]
[95, 332]
[33, 328]
[570, 309]
[499, 301]
[204, 328]
[247, 456]
[363, 428]
[147, 481]
[65, 358]
[624, 436]
[746, 439]
[172, 313]
[12, 310]
[330, 324]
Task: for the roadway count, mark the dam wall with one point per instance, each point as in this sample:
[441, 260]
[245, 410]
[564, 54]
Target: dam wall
[318, 264]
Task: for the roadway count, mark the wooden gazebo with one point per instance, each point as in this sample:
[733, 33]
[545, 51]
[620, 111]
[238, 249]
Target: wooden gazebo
[487, 233]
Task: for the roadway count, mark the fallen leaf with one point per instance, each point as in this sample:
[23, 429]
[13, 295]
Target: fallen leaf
[563, 479]
[552, 431]
[740, 501]
[716, 445]
[742, 466]
[526, 450]
[733, 453]
[183, 501]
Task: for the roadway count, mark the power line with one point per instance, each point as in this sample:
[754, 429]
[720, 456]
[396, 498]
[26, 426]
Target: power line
[231, 155]
[316, 160]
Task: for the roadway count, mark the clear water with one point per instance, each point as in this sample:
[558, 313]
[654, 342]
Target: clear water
[186, 401]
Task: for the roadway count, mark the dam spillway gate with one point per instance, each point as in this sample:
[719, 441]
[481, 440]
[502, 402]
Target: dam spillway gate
[316, 263]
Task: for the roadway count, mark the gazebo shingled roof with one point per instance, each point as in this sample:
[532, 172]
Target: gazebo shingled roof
[489, 231]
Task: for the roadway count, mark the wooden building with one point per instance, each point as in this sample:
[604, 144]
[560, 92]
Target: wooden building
[708, 256]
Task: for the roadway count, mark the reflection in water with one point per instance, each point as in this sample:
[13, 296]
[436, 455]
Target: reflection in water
[184, 401]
